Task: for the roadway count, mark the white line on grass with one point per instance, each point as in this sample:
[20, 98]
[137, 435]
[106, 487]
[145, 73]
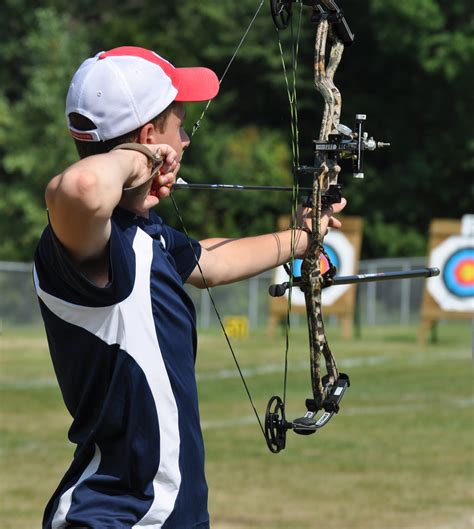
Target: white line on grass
[267, 369]
[362, 361]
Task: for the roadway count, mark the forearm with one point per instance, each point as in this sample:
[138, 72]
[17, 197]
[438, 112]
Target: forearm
[81, 200]
[93, 185]
[229, 260]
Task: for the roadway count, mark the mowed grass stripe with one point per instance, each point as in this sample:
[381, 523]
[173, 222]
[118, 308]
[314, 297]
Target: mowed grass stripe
[223, 374]
[399, 455]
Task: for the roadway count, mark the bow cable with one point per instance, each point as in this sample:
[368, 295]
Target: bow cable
[221, 324]
[226, 69]
[293, 106]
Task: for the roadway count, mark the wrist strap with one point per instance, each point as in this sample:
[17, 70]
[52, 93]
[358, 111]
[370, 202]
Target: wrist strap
[155, 158]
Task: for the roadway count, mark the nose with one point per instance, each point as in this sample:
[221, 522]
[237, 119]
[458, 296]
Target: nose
[185, 140]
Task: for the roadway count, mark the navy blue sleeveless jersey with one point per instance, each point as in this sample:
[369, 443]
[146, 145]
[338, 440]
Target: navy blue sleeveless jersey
[124, 358]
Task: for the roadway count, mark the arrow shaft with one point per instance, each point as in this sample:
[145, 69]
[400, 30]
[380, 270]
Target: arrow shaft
[236, 187]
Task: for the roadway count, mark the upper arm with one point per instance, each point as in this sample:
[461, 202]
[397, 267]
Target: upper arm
[216, 264]
[207, 262]
[75, 215]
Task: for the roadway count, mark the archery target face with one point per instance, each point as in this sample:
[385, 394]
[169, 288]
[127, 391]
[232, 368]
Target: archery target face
[341, 253]
[453, 289]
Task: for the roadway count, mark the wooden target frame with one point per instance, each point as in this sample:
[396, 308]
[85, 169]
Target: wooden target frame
[344, 307]
[431, 313]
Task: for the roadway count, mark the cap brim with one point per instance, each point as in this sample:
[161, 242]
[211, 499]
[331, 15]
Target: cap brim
[196, 84]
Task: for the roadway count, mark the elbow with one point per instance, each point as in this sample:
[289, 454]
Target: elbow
[73, 188]
[208, 283]
[214, 268]
[201, 282]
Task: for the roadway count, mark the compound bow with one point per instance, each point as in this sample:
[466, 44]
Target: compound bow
[336, 141]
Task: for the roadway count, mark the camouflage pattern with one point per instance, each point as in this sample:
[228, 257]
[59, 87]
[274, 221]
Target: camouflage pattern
[326, 175]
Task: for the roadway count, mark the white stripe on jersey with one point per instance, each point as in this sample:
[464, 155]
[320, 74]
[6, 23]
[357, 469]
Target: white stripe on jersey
[130, 323]
[65, 501]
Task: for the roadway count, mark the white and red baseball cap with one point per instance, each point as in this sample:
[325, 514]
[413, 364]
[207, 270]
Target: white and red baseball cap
[124, 88]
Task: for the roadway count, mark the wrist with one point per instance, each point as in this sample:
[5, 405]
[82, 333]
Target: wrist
[301, 236]
[143, 156]
[130, 166]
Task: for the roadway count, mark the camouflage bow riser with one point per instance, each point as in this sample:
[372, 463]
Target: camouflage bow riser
[326, 175]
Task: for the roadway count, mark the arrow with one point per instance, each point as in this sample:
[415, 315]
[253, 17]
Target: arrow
[181, 184]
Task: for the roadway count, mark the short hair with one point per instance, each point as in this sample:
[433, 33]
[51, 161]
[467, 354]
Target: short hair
[89, 148]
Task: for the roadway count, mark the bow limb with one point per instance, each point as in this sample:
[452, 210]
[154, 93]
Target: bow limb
[311, 279]
[335, 57]
[324, 83]
[320, 79]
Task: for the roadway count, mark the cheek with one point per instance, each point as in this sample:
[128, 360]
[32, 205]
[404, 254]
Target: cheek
[174, 140]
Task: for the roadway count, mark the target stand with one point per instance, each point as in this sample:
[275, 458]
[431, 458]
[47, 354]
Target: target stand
[450, 296]
[343, 248]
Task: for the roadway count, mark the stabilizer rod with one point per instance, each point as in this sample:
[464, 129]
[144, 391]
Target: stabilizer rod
[279, 289]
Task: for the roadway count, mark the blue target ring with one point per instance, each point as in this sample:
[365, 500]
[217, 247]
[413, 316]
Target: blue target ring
[458, 273]
[332, 254]
[297, 267]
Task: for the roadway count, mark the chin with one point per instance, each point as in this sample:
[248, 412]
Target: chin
[151, 202]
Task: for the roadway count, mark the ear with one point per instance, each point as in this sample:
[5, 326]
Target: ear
[147, 134]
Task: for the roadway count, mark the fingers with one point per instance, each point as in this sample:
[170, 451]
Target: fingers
[327, 219]
[170, 158]
[339, 206]
[166, 177]
[334, 223]
[166, 181]
[334, 208]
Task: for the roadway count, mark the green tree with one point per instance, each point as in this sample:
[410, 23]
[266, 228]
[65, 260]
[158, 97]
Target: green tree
[33, 136]
[408, 70]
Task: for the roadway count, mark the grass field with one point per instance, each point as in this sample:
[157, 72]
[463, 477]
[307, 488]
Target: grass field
[399, 455]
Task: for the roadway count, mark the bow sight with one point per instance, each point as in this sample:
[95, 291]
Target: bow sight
[343, 144]
[349, 144]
